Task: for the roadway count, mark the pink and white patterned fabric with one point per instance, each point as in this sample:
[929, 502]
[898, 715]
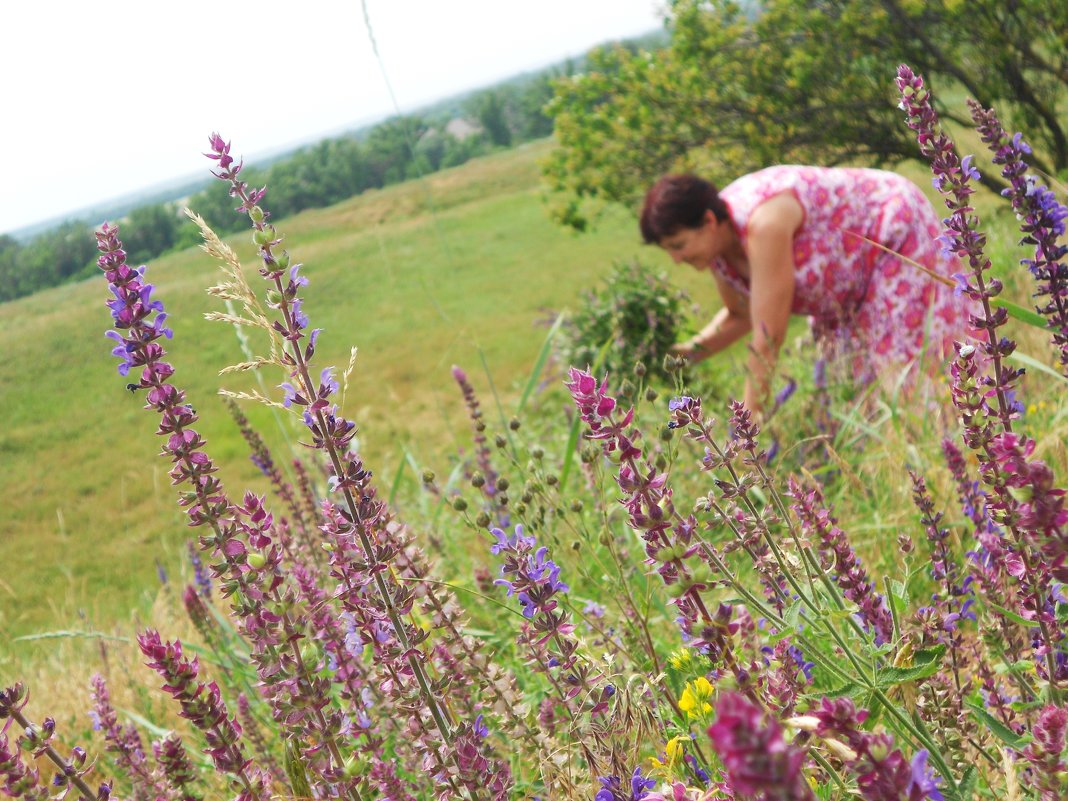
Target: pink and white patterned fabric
[860, 299]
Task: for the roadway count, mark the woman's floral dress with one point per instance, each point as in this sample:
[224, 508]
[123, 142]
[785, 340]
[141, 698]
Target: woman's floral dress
[860, 298]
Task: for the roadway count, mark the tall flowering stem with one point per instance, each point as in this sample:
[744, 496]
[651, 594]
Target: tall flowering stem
[1046, 753]
[838, 556]
[482, 451]
[952, 604]
[464, 657]
[261, 457]
[972, 391]
[882, 771]
[242, 538]
[128, 751]
[669, 543]
[952, 179]
[534, 579]
[972, 500]
[177, 769]
[203, 706]
[1042, 222]
[350, 678]
[330, 432]
[1023, 500]
[19, 780]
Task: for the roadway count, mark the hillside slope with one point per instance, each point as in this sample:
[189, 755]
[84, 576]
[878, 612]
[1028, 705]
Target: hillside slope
[418, 276]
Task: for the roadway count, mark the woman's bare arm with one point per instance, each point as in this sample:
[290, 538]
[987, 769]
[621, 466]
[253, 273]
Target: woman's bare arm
[771, 278]
[729, 325]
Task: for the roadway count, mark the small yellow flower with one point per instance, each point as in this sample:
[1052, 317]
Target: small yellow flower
[673, 752]
[681, 660]
[695, 698]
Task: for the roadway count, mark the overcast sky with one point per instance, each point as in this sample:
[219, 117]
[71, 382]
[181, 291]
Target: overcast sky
[111, 97]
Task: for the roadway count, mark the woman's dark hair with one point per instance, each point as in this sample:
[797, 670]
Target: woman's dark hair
[678, 201]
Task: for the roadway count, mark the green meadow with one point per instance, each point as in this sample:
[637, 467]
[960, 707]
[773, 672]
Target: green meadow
[463, 267]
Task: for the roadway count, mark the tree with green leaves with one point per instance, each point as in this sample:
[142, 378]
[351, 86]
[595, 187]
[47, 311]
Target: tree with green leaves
[150, 230]
[490, 110]
[801, 81]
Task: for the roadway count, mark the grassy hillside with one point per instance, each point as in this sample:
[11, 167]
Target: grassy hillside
[460, 266]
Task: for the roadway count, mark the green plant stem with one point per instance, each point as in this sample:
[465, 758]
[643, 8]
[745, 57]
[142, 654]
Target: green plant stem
[65, 767]
[437, 712]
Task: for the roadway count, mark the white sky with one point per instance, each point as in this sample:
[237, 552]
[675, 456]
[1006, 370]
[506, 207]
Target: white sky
[104, 98]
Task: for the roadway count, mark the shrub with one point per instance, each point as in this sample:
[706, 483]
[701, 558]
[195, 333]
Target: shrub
[635, 317]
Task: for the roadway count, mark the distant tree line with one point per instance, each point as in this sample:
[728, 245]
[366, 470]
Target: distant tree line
[320, 175]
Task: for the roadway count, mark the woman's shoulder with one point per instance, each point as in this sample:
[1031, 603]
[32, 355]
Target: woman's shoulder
[781, 175]
[745, 194]
[790, 176]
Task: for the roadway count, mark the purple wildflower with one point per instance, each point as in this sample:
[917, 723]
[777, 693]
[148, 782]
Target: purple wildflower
[482, 451]
[478, 772]
[21, 780]
[612, 788]
[1033, 504]
[952, 178]
[1046, 754]
[200, 575]
[363, 519]
[881, 770]
[838, 555]
[529, 574]
[758, 760]
[203, 706]
[176, 766]
[924, 783]
[1042, 223]
[129, 753]
[669, 538]
[784, 394]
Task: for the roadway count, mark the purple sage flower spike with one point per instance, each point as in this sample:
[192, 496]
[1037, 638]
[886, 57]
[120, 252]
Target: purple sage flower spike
[952, 177]
[1042, 221]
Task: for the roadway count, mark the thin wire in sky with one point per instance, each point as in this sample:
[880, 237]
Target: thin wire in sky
[442, 240]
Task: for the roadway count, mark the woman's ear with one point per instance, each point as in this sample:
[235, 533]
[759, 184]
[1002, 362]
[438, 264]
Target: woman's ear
[710, 217]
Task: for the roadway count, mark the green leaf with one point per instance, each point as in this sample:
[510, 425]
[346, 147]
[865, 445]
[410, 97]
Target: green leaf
[396, 481]
[1015, 618]
[539, 364]
[1020, 313]
[790, 619]
[996, 727]
[900, 592]
[925, 662]
[851, 689]
[1035, 364]
[966, 785]
[569, 453]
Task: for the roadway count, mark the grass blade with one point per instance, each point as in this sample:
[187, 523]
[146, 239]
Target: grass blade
[539, 363]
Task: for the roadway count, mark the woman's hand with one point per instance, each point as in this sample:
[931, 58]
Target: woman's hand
[690, 350]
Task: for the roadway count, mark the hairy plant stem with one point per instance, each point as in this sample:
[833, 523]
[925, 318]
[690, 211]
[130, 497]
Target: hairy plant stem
[290, 628]
[57, 759]
[812, 567]
[440, 716]
[907, 726]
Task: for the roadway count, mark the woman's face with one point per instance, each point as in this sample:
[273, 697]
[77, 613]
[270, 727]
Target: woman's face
[695, 246]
